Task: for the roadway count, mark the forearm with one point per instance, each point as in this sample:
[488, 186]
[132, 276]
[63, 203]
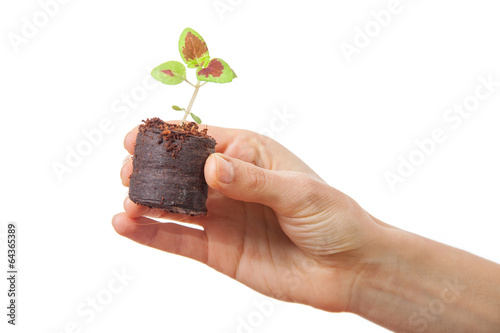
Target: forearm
[413, 284]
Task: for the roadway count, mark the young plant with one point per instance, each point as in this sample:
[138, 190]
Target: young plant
[194, 53]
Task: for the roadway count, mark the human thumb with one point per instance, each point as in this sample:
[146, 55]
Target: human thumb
[244, 181]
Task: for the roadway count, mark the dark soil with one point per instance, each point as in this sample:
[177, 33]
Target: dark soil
[168, 167]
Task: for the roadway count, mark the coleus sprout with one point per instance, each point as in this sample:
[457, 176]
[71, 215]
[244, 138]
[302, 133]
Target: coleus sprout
[194, 53]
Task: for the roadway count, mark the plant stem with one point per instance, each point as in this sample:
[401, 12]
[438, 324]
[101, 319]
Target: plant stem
[189, 83]
[188, 110]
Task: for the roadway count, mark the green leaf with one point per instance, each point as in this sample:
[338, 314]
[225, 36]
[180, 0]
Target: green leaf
[217, 71]
[170, 72]
[193, 49]
[195, 118]
[176, 108]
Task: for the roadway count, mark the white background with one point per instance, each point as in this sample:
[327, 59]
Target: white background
[352, 121]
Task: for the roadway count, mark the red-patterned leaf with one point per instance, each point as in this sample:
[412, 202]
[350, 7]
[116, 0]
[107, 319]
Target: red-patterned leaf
[193, 49]
[217, 71]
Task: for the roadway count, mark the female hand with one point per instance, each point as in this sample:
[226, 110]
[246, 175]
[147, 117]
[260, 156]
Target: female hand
[272, 224]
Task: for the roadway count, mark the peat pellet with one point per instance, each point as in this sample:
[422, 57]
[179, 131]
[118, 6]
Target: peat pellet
[168, 167]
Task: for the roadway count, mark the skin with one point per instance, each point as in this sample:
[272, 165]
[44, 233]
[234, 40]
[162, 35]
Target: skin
[277, 227]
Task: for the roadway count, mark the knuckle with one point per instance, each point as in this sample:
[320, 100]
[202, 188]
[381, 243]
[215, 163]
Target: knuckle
[252, 148]
[257, 180]
[150, 238]
[313, 196]
[311, 192]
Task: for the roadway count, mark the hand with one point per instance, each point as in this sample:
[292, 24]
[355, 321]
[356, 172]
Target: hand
[272, 224]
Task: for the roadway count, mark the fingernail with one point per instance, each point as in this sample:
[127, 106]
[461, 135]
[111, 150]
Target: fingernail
[225, 172]
[126, 159]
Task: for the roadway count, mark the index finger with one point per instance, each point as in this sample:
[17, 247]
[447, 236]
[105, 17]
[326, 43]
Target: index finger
[247, 146]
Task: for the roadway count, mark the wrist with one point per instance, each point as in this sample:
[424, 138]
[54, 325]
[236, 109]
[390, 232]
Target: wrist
[376, 270]
[404, 284]
[413, 284]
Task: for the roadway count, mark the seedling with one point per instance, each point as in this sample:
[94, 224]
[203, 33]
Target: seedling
[194, 53]
[169, 159]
